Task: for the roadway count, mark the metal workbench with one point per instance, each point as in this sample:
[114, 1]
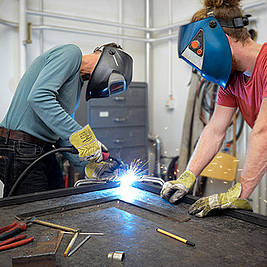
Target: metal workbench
[129, 218]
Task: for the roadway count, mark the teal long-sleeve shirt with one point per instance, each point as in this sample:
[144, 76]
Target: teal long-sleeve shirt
[47, 95]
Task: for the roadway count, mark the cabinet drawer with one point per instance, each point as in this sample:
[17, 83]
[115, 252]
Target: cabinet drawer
[134, 96]
[130, 154]
[121, 136]
[116, 117]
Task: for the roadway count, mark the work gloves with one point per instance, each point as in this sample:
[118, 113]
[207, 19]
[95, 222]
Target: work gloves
[88, 146]
[230, 199]
[103, 169]
[176, 189]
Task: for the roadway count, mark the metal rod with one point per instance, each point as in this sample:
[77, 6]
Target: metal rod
[71, 244]
[105, 23]
[29, 33]
[156, 139]
[147, 66]
[78, 246]
[100, 234]
[22, 35]
[86, 20]
[103, 34]
[74, 30]
[255, 4]
[9, 23]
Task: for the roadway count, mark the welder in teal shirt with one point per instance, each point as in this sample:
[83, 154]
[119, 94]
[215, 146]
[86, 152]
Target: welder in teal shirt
[41, 113]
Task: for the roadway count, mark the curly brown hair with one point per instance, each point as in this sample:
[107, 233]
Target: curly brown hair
[226, 10]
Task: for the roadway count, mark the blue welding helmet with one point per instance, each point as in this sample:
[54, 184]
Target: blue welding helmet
[112, 73]
[204, 45]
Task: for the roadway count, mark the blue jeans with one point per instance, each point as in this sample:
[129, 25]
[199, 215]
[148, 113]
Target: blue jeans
[16, 156]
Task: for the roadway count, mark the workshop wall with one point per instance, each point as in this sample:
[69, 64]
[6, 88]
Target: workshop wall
[125, 11]
[170, 76]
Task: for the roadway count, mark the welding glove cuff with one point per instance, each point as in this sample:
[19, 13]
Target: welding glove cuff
[86, 143]
[176, 189]
[229, 199]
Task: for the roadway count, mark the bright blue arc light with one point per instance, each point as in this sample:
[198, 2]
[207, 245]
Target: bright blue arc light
[127, 179]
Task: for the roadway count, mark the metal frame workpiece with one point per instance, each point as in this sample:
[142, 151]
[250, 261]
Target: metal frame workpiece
[148, 207]
[189, 199]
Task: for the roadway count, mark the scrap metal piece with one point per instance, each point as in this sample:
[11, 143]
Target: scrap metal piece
[116, 255]
[41, 254]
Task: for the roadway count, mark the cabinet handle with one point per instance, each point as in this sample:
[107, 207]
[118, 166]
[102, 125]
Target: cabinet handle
[119, 119]
[118, 141]
[119, 98]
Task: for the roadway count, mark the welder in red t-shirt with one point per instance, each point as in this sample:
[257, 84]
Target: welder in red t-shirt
[219, 46]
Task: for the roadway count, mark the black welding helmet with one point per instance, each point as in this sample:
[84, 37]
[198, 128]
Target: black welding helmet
[112, 73]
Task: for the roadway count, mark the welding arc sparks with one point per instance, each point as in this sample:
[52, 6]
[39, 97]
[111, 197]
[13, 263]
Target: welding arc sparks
[132, 173]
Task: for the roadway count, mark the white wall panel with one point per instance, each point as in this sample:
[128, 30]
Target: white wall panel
[8, 54]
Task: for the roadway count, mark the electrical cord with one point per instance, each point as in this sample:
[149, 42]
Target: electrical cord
[72, 150]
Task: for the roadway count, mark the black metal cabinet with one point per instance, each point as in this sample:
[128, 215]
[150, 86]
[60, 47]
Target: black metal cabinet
[120, 122]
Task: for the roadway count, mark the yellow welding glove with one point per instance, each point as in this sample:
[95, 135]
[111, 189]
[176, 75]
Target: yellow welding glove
[103, 169]
[230, 200]
[86, 143]
[176, 189]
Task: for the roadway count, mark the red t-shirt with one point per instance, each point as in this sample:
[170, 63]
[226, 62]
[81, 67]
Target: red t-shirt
[248, 95]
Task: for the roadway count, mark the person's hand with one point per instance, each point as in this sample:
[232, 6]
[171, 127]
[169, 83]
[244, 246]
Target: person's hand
[230, 199]
[176, 189]
[88, 146]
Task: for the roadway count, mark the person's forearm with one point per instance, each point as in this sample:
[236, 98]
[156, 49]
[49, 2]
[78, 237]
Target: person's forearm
[208, 145]
[255, 163]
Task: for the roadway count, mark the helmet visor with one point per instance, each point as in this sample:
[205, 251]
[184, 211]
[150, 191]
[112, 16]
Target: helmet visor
[116, 83]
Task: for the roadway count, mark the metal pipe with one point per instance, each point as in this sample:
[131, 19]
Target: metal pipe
[148, 46]
[103, 34]
[170, 51]
[105, 23]
[157, 142]
[74, 30]
[120, 30]
[255, 4]
[22, 35]
[127, 26]
[41, 36]
[86, 20]
[147, 67]
[9, 23]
